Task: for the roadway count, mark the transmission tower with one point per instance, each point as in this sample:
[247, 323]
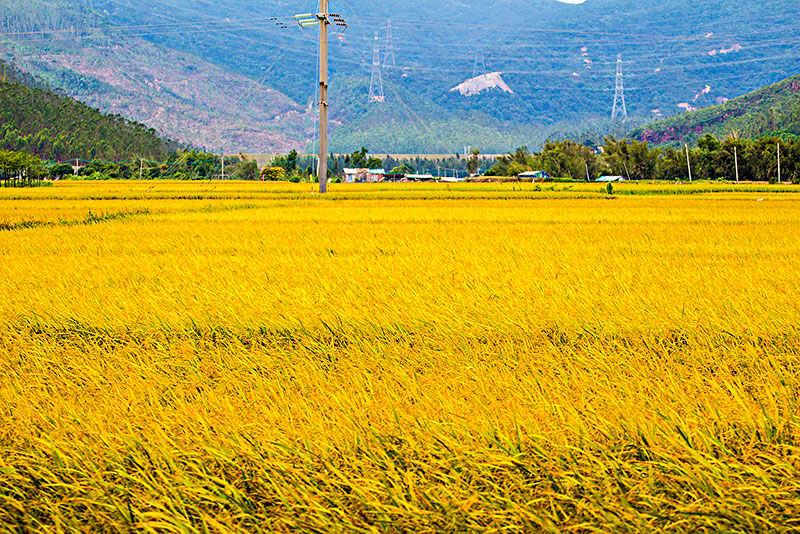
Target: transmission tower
[620, 110]
[376, 83]
[479, 68]
[388, 56]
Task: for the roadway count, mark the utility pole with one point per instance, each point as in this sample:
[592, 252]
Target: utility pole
[323, 96]
[689, 162]
[736, 159]
[588, 176]
[323, 19]
[779, 163]
[222, 159]
[141, 167]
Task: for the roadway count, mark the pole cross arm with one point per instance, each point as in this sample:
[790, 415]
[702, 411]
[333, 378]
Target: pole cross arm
[307, 20]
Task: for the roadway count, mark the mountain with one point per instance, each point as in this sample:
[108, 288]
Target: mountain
[770, 111]
[181, 95]
[36, 120]
[557, 61]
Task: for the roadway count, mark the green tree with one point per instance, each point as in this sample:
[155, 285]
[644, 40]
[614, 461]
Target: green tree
[291, 161]
[336, 169]
[59, 171]
[273, 174]
[725, 160]
[672, 165]
[358, 159]
[513, 163]
[403, 169]
[707, 157]
[474, 162]
[632, 159]
[567, 159]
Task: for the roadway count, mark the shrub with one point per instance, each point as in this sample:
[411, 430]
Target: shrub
[273, 174]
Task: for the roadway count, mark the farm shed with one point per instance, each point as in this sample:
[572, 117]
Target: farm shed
[352, 176]
[536, 176]
[420, 177]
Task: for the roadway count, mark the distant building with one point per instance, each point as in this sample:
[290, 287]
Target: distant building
[352, 176]
[612, 179]
[536, 176]
[376, 175]
[359, 176]
[420, 177]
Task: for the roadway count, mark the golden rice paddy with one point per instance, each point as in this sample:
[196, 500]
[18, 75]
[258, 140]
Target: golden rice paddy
[232, 357]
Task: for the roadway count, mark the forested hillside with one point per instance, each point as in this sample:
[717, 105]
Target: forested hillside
[37, 120]
[240, 73]
[558, 59]
[773, 110]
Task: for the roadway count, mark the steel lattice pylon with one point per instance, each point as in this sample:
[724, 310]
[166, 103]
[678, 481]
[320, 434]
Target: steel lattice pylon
[376, 83]
[479, 67]
[388, 56]
[620, 110]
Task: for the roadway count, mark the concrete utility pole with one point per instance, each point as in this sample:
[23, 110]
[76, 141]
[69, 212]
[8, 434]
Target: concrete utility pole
[323, 96]
[141, 167]
[689, 162]
[588, 176]
[779, 163]
[323, 19]
[736, 159]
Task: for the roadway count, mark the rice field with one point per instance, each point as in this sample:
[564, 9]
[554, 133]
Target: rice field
[233, 357]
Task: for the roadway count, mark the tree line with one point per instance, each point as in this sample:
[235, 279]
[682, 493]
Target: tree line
[296, 168]
[20, 169]
[180, 165]
[709, 159]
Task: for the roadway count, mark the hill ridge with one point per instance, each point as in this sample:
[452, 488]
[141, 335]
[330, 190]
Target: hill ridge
[38, 120]
[768, 111]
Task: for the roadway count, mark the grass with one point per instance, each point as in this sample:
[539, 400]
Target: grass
[254, 358]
